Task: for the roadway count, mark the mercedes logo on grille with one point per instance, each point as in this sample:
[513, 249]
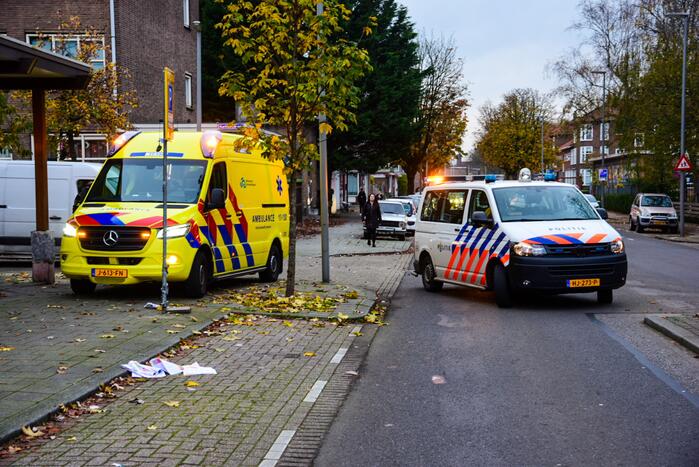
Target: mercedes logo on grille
[110, 238]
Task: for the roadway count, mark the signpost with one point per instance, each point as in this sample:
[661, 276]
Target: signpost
[602, 175]
[168, 133]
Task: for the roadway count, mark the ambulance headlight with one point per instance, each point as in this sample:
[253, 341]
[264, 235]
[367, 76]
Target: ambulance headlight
[528, 249]
[175, 231]
[617, 246]
[69, 230]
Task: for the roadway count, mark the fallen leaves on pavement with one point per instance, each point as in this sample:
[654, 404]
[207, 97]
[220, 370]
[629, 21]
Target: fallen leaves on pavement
[173, 404]
[32, 432]
[6, 348]
[191, 384]
[309, 354]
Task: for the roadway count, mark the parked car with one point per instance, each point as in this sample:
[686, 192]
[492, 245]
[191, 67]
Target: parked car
[393, 220]
[18, 207]
[653, 210]
[593, 201]
[410, 212]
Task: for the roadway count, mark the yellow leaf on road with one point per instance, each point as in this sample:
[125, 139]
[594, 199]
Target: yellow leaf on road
[5, 348]
[152, 427]
[31, 433]
[191, 384]
[72, 438]
[288, 324]
[309, 354]
[107, 336]
[172, 403]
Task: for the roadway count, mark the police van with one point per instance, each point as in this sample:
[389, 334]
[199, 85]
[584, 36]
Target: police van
[228, 214]
[515, 236]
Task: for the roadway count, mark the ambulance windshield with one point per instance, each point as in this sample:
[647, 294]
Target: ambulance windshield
[141, 180]
[542, 203]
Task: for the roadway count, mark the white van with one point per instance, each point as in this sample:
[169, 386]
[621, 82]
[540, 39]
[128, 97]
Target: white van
[514, 236]
[18, 206]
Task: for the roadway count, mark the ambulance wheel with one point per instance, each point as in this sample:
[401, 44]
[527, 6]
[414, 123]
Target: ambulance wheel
[428, 277]
[197, 283]
[501, 286]
[274, 265]
[82, 286]
[605, 296]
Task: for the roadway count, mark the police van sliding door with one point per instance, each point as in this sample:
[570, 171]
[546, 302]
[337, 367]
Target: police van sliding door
[442, 219]
[476, 243]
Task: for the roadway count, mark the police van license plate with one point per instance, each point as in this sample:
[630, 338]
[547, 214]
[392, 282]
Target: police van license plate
[103, 272]
[583, 283]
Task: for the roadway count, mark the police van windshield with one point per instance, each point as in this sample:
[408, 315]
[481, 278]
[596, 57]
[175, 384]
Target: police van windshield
[542, 203]
[141, 180]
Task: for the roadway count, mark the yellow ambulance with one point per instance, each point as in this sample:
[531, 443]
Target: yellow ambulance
[228, 214]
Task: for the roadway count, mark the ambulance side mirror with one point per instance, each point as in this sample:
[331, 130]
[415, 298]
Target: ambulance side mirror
[603, 213]
[480, 219]
[218, 199]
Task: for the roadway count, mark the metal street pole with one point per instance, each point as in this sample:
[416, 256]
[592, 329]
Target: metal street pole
[685, 17]
[542, 145]
[164, 285]
[602, 132]
[197, 28]
[324, 216]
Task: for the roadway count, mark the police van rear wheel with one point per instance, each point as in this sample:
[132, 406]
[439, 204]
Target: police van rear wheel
[82, 286]
[199, 276]
[274, 265]
[501, 286]
[428, 277]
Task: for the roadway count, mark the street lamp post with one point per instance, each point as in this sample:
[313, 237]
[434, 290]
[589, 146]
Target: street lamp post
[685, 17]
[197, 28]
[324, 215]
[542, 145]
[602, 128]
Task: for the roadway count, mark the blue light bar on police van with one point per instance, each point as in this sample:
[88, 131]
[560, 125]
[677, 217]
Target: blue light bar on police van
[550, 176]
[120, 141]
[209, 142]
[490, 178]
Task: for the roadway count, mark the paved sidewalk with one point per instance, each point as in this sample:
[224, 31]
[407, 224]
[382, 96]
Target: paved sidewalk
[621, 221]
[684, 329]
[63, 348]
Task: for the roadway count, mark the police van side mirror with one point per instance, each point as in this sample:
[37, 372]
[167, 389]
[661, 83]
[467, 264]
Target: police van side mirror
[218, 199]
[603, 213]
[480, 219]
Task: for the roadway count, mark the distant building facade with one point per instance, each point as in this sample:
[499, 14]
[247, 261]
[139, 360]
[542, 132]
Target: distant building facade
[142, 36]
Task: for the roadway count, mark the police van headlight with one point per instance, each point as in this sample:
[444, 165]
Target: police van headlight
[617, 246]
[69, 230]
[175, 231]
[528, 249]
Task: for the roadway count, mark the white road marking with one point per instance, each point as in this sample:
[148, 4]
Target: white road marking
[315, 391]
[356, 330]
[339, 355]
[277, 449]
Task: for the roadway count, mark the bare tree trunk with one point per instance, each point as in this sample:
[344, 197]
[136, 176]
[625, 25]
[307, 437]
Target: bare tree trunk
[291, 268]
[410, 172]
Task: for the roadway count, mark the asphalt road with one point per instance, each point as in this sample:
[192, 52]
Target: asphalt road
[545, 383]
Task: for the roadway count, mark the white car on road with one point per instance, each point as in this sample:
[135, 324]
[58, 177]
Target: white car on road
[393, 220]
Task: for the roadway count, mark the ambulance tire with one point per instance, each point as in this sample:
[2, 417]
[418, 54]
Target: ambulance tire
[428, 276]
[82, 286]
[274, 265]
[605, 296]
[197, 283]
[501, 286]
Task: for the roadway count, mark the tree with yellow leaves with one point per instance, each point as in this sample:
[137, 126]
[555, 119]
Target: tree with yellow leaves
[295, 66]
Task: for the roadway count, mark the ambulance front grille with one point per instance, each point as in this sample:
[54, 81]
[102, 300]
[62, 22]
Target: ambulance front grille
[111, 238]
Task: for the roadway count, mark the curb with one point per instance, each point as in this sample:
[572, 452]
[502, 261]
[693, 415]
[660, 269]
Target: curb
[680, 335]
[677, 239]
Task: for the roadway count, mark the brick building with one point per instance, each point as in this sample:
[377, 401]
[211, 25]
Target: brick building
[142, 36]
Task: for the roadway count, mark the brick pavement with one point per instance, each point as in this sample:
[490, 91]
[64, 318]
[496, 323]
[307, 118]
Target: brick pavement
[50, 327]
[232, 418]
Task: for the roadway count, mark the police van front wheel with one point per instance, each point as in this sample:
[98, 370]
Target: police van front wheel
[274, 265]
[82, 286]
[197, 283]
[428, 277]
[501, 286]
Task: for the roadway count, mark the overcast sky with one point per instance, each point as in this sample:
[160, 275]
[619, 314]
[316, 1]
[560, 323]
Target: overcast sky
[505, 44]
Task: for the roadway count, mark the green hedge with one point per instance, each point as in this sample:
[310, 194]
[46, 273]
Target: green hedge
[619, 202]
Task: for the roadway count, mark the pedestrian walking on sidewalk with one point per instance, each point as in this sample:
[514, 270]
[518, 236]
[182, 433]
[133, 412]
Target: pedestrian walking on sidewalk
[372, 219]
[361, 201]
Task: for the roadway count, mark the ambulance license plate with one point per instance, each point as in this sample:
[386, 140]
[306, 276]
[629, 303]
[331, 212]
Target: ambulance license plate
[583, 283]
[104, 272]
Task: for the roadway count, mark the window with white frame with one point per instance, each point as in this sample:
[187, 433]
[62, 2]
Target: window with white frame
[585, 152]
[573, 157]
[586, 176]
[639, 140]
[587, 132]
[604, 131]
[185, 10]
[69, 45]
[188, 90]
[604, 150]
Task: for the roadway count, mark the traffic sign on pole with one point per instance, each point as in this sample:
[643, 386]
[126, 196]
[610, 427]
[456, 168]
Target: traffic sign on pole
[169, 104]
[602, 175]
[684, 164]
